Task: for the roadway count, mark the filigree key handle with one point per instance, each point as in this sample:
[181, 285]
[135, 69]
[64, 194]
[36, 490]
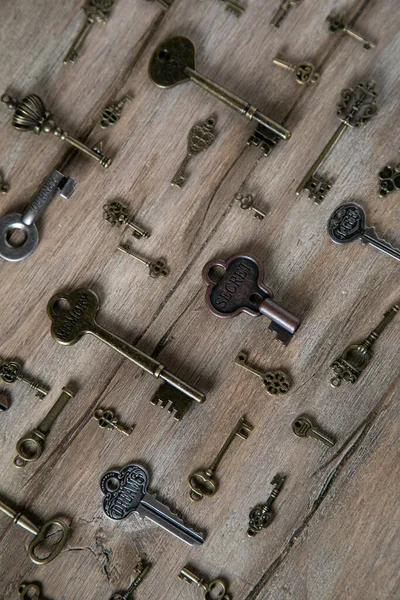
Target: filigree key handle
[31, 115]
[275, 382]
[214, 590]
[141, 569]
[261, 515]
[389, 179]
[112, 113]
[304, 73]
[199, 139]
[12, 371]
[107, 420]
[117, 214]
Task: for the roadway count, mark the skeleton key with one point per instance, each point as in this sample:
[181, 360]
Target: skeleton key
[303, 427]
[241, 289]
[355, 358]
[42, 534]
[261, 515]
[200, 138]
[74, 314]
[26, 222]
[338, 24]
[157, 268]
[12, 371]
[107, 420]
[29, 591]
[31, 446]
[173, 62]
[234, 6]
[96, 11]
[203, 483]
[275, 382]
[215, 590]
[112, 113]
[247, 202]
[141, 569]
[117, 214]
[355, 109]
[347, 223]
[282, 11]
[31, 115]
[304, 73]
[125, 491]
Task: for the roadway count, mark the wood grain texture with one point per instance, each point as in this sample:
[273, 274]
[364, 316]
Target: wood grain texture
[335, 533]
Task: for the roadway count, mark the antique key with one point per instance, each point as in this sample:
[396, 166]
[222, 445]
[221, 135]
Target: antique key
[304, 73]
[31, 446]
[356, 357]
[12, 371]
[355, 109]
[117, 214]
[74, 314]
[157, 268]
[261, 515]
[282, 11]
[199, 139]
[96, 11]
[247, 202]
[107, 420]
[26, 222]
[42, 534]
[338, 24]
[347, 223]
[275, 382]
[215, 589]
[389, 180]
[112, 113]
[125, 491]
[203, 483]
[173, 62]
[31, 115]
[303, 427]
[234, 6]
[141, 569]
[241, 289]
[29, 591]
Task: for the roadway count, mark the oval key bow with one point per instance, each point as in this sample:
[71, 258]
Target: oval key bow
[216, 590]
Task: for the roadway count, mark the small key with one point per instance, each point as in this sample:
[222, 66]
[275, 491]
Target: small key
[157, 268]
[25, 223]
[200, 138]
[42, 534]
[214, 590]
[234, 6]
[347, 223]
[107, 420]
[96, 11]
[4, 187]
[12, 371]
[30, 447]
[338, 24]
[356, 358]
[73, 315]
[141, 569]
[355, 109]
[125, 491]
[303, 427]
[247, 202]
[261, 516]
[203, 483]
[282, 11]
[112, 113]
[241, 289]
[389, 180]
[304, 73]
[29, 591]
[4, 401]
[31, 115]
[117, 214]
[173, 62]
[275, 382]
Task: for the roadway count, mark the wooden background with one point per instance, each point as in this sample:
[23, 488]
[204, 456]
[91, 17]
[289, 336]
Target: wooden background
[335, 533]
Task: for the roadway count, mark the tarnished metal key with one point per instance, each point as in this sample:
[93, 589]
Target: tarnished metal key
[215, 589]
[116, 214]
[261, 515]
[247, 202]
[125, 491]
[157, 268]
[338, 23]
[275, 382]
[282, 11]
[303, 427]
[200, 137]
[141, 569]
[73, 315]
[112, 113]
[107, 420]
[12, 371]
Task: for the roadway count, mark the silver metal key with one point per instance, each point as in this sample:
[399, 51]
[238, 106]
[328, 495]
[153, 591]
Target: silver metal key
[125, 491]
[282, 11]
[303, 427]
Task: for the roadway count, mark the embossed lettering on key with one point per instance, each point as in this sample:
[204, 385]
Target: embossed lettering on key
[31, 115]
[26, 222]
[241, 289]
[173, 62]
[73, 315]
[214, 590]
[303, 427]
[356, 108]
[116, 214]
[282, 11]
[261, 516]
[125, 491]
[347, 223]
[12, 371]
[199, 139]
[303, 73]
[141, 569]
[338, 24]
[355, 358]
[275, 382]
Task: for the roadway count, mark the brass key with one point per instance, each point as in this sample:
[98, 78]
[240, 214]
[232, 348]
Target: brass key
[261, 515]
[215, 589]
[303, 427]
[282, 11]
[303, 73]
[357, 106]
[157, 268]
[112, 113]
[107, 420]
[338, 24]
[12, 371]
[73, 315]
[116, 214]
[141, 569]
[247, 202]
[200, 138]
[275, 382]
[31, 446]
[4, 187]
[203, 483]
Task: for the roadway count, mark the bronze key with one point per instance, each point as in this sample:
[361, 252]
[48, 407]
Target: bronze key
[282, 11]
[12, 371]
[338, 24]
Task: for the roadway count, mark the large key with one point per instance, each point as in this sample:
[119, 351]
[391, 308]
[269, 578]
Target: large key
[26, 222]
[261, 516]
[282, 11]
[303, 427]
[31, 115]
[173, 62]
[96, 11]
[241, 289]
[44, 535]
[347, 223]
[356, 108]
[275, 382]
[125, 491]
[74, 314]
[12, 371]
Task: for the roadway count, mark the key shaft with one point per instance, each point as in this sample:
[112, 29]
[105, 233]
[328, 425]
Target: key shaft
[370, 237]
[73, 52]
[19, 518]
[282, 11]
